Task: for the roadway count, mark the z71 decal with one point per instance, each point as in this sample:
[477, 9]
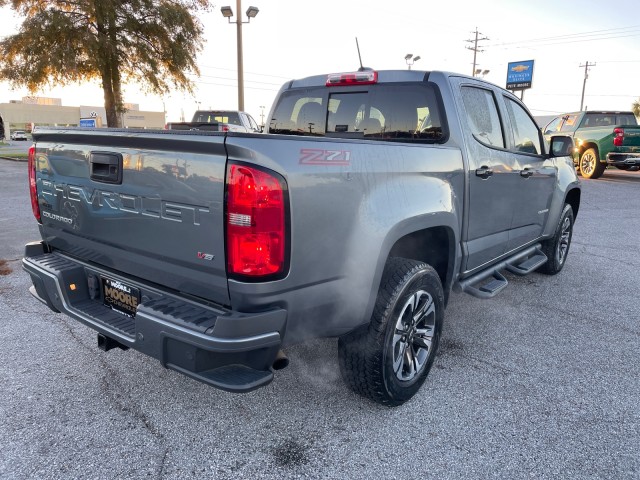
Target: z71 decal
[313, 156]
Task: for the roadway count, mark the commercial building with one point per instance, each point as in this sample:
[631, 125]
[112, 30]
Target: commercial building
[31, 112]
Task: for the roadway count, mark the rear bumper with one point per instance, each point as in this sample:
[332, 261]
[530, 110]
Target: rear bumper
[229, 350]
[622, 159]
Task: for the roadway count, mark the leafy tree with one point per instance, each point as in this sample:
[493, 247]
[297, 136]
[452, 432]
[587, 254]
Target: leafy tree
[152, 42]
[635, 108]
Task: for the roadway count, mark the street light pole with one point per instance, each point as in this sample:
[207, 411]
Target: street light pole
[228, 13]
[240, 59]
[410, 59]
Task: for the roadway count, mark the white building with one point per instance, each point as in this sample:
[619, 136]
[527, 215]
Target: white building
[39, 111]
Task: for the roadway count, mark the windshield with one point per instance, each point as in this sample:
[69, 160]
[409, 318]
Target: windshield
[390, 112]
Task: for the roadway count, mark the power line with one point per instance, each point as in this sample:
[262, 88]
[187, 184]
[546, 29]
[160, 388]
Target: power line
[233, 79]
[253, 73]
[572, 36]
[235, 86]
[549, 111]
[584, 40]
[575, 95]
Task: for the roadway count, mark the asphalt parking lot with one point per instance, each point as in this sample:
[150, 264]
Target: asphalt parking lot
[540, 382]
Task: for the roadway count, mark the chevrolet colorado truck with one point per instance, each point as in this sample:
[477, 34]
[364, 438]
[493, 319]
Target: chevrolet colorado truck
[218, 121]
[372, 197]
[601, 139]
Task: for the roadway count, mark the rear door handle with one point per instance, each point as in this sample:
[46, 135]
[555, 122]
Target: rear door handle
[526, 173]
[484, 172]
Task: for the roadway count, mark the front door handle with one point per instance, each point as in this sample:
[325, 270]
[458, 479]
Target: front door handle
[484, 172]
[526, 173]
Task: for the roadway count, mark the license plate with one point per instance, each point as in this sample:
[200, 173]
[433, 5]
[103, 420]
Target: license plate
[120, 297]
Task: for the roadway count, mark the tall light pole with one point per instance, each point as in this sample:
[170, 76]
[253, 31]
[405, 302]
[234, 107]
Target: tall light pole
[410, 59]
[227, 12]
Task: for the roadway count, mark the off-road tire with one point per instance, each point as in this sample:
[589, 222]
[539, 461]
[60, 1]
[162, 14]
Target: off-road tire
[366, 356]
[590, 165]
[557, 247]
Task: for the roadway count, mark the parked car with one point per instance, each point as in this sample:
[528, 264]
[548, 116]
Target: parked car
[601, 138]
[19, 135]
[371, 198]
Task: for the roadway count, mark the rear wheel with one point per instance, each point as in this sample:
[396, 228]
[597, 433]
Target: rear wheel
[557, 247]
[389, 360]
[590, 166]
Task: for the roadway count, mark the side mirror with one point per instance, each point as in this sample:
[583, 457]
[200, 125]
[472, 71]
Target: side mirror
[561, 146]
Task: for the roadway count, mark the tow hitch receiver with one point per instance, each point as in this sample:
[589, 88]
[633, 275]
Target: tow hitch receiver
[106, 343]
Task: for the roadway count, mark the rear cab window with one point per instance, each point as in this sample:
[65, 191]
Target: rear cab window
[607, 119]
[407, 112]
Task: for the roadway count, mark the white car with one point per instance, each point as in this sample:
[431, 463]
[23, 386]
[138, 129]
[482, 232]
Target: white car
[19, 135]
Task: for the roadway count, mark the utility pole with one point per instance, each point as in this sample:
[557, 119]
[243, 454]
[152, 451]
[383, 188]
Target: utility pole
[584, 83]
[475, 48]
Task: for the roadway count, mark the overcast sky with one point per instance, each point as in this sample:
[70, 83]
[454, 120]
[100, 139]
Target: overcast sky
[296, 38]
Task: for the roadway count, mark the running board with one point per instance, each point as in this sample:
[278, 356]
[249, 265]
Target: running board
[531, 264]
[488, 283]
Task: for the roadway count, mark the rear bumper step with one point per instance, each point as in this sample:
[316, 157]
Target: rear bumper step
[225, 349]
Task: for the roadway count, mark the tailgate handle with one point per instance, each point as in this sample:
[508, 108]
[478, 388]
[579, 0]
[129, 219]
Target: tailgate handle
[106, 167]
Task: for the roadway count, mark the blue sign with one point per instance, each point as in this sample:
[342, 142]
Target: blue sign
[88, 122]
[519, 75]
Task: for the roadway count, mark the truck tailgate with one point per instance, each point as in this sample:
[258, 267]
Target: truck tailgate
[631, 138]
[149, 205]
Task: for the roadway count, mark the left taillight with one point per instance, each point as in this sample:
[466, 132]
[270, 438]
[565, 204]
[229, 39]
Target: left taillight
[33, 190]
[618, 137]
[256, 229]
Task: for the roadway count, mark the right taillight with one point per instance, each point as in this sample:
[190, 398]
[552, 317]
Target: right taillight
[33, 191]
[255, 222]
[618, 136]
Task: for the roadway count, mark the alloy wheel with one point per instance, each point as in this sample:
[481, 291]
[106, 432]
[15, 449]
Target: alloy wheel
[413, 335]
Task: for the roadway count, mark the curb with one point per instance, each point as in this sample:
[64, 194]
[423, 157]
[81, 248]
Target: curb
[13, 159]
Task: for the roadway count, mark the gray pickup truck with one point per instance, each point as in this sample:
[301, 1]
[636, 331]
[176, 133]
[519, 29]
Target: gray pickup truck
[372, 196]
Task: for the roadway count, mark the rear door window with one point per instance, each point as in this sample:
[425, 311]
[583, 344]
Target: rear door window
[482, 116]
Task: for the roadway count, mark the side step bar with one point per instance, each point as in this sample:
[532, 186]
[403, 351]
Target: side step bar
[488, 283]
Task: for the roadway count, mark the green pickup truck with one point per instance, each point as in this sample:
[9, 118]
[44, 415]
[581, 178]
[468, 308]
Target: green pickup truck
[601, 139]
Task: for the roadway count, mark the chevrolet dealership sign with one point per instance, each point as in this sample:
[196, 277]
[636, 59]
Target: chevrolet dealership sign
[519, 75]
